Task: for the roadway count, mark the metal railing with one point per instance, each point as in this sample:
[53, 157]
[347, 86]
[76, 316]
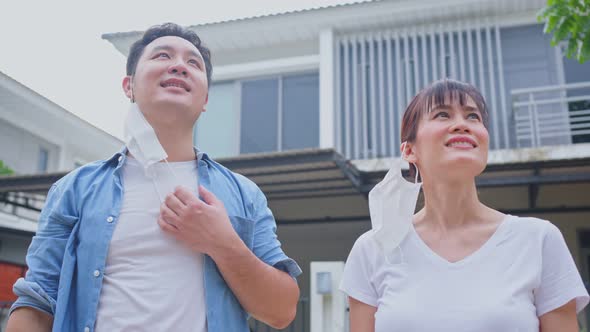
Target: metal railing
[299, 324]
[551, 115]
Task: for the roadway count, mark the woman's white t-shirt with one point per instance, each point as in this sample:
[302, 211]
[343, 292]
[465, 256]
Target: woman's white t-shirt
[522, 272]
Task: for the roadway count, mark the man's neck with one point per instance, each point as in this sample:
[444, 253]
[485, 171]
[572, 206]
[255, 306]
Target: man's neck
[178, 145]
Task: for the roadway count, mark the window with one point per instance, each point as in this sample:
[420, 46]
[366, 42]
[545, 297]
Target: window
[280, 113]
[43, 160]
[217, 130]
[260, 115]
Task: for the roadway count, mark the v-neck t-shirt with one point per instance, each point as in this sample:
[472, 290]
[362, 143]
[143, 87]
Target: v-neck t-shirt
[521, 272]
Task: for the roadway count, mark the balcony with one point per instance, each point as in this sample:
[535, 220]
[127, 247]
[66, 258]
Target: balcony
[552, 115]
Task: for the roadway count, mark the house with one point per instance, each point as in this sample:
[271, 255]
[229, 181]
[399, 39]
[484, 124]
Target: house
[38, 139]
[308, 104]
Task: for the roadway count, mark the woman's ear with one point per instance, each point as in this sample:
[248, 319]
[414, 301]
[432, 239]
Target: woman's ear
[407, 152]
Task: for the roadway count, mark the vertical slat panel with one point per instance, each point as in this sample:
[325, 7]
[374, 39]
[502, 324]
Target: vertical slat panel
[399, 78]
[348, 134]
[425, 70]
[372, 111]
[492, 82]
[391, 111]
[407, 68]
[470, 57]
[443, 53]
[501, 87]
[452, 60]
[365, 122]
[338, 112]
[382, 72]
[433, 57]
[481, 85]
[461, 55]
[416, 57]
[355, 99]
[280, 116]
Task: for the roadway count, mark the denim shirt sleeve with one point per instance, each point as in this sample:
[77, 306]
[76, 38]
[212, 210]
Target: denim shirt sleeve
[38, 289]
[266, 243]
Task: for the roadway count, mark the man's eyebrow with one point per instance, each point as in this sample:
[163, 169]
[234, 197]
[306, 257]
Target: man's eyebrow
[170, 49]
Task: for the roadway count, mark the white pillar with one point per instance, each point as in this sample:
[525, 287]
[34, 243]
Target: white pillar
[327, 89]
[327, 303]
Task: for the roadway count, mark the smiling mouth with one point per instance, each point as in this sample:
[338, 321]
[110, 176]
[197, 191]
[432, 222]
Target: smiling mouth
[461, 145]
[175, 85]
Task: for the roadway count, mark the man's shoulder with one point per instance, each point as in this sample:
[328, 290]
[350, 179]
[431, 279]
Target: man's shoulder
[86, 174]
[246, 185]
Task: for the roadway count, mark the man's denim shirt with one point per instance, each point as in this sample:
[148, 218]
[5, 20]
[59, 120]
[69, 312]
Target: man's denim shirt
[68, 254]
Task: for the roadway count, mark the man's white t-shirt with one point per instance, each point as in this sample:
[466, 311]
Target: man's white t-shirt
[522, 272]
[151, 281]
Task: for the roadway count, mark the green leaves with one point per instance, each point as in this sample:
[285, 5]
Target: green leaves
[5, 170]
[569, 21]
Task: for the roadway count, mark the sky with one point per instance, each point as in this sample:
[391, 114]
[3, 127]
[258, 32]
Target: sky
[55, 47]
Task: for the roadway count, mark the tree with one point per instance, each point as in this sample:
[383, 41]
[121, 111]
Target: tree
[5, 170]
[569, 20]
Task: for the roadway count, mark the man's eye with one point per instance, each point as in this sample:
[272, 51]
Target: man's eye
[195, 62]
[162, 55]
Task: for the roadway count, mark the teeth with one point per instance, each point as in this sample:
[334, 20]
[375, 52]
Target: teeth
[174, 84]
[461, 144]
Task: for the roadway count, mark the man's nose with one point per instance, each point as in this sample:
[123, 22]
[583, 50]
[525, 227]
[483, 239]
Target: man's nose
[178, 68]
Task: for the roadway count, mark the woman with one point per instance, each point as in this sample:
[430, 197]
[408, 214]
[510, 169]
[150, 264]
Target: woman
[456, 265]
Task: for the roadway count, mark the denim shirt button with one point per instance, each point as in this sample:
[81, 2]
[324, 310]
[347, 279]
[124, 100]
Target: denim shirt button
[120, 158]
[86, 329]
[96, 273]
[110, 219]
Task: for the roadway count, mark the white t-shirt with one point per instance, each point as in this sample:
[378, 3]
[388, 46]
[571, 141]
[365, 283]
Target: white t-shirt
[151, 281]
[522, 272]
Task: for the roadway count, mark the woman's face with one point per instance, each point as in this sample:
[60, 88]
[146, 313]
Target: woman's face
[451, 141]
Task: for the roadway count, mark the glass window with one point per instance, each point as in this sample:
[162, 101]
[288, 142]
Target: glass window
[217, 130]
[259, 116]
[43, 160]
[301, 111]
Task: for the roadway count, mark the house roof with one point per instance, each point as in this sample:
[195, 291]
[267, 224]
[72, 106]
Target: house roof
[14, 95]
[305, 25]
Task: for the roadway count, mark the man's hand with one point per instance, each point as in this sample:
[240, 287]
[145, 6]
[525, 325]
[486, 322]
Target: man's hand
[202, 226]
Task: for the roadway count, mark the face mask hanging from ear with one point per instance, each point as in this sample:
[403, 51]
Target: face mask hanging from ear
[391, 204]
[141, 139]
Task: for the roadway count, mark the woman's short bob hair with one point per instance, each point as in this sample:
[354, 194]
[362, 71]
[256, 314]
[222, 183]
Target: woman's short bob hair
[438, 93]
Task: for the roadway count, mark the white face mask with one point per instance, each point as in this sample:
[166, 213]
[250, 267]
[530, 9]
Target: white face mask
[144, 146]
[391, 204]
[141, 139]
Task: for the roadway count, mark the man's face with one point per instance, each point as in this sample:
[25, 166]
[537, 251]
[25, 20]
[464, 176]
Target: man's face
[170, 75]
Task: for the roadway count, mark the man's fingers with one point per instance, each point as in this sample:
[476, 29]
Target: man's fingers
[168, 215]
[184, 195]
[173, 203]
[168, 228]
[208, 196]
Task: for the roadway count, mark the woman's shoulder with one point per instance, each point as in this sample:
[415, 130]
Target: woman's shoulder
[531, 227]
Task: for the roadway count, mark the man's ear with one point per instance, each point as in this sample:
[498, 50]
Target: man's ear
[407, 152]
[206, 102]
[127, 88]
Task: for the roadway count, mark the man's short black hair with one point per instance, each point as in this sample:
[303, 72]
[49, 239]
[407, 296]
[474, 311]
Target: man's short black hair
[167, 29]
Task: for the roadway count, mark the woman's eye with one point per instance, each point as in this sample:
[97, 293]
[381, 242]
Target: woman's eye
[441, 114]
[474, 116]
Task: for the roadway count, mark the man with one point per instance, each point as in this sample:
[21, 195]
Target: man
[122, 247]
